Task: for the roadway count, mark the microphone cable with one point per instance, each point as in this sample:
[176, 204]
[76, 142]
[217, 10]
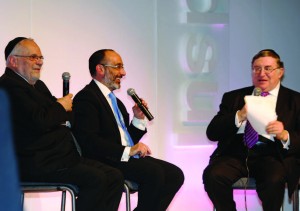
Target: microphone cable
[247, 181]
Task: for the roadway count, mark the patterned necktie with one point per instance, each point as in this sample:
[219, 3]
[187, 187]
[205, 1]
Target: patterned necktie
[250, 135]
[120, 120]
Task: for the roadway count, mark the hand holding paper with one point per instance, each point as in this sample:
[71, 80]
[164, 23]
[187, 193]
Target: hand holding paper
[260, 111]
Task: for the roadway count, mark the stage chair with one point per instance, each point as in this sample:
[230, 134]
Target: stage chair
[31, 187]
[296, 198]
[129, 187]
[242, 184]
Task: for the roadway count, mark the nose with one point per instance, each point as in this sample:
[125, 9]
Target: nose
[122, 71]
[39, 62]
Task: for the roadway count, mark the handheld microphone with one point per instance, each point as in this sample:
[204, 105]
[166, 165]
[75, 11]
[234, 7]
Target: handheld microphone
[138, 101]
[257, 91]
[66, 78]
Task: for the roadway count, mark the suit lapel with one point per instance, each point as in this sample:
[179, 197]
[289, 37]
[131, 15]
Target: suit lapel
[282, 104]
[102, 101]
[240, 101]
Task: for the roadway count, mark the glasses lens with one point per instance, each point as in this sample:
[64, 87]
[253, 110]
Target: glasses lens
[36, 58]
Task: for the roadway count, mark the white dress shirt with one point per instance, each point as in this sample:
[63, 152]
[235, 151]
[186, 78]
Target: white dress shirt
[241, 125]
[138, 123]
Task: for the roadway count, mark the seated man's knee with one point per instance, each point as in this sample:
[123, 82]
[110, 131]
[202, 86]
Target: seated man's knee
[180, 177]
[117, 177]
[213, 177]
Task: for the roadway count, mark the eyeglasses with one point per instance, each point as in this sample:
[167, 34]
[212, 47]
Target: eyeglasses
[32, 57]
[267, 69]
[117, 66]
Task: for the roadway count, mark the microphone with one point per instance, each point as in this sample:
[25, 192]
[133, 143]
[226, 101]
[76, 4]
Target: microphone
[257, 91]
[138, 101]
[66, 78]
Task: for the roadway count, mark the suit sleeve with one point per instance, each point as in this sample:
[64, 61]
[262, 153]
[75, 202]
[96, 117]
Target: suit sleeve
[40, 107]
[222, 126]
[289, 114]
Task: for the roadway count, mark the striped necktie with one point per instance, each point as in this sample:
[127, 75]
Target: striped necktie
[250, 135]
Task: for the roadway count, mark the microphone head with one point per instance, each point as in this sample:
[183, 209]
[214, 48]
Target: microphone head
[257, 91]
[66, 76]
[130, 91]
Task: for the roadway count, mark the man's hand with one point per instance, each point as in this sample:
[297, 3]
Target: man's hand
[277, 128]
[66, 102]
[242, 114]
[140, 149]
[137, 112]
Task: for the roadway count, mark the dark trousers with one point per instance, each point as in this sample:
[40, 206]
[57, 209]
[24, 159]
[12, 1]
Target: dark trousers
[224, 171]
[158, 181]
[100, 186]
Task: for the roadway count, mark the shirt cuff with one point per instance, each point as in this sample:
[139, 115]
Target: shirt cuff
[125, 156]
[287, 143]
[139, 123]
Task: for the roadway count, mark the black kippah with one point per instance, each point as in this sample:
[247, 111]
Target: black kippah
[11, 45]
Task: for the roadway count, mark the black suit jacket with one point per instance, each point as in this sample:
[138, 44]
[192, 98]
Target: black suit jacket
[41, 143]
[222, 128]
[96, 128]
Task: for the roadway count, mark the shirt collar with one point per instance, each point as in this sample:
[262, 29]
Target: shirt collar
[20, 75]
[274, 92]
[103, 88]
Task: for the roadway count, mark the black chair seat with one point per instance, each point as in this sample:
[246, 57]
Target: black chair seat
[132, 186]
[248, 183]
[47, 187]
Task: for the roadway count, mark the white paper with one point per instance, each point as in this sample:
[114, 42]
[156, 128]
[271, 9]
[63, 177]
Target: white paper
[261, 111]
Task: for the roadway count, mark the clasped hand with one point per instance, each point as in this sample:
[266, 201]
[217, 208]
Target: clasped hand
[140, 149]
[66, 102]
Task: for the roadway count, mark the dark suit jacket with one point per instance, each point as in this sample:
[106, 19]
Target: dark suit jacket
[96, 128]
[222, 128]
[42, 144]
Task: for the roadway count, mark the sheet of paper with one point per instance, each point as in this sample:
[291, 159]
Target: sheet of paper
[261, 111]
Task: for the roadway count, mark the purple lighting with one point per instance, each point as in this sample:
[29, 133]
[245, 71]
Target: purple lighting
[218, 25]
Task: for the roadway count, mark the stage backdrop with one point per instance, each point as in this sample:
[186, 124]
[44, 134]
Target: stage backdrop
[179, 55]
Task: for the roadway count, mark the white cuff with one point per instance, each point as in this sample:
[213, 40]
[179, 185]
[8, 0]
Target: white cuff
[139, 123]
[125, 157]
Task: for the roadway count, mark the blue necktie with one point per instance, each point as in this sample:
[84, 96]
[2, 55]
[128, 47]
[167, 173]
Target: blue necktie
[250, 135]
[120, 120]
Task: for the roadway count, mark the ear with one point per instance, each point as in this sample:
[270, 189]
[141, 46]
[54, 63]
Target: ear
[12, 61]
[100, 71]
[281, 73]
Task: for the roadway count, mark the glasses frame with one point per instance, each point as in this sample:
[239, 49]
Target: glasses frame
[118, 66]
[267, 69]
[32, 57]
